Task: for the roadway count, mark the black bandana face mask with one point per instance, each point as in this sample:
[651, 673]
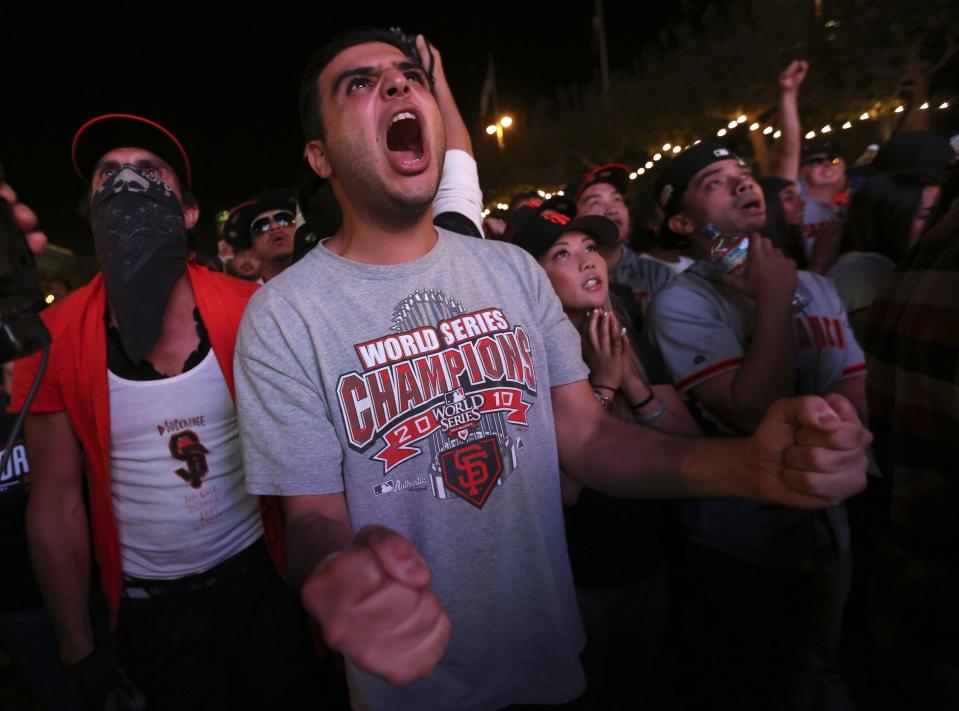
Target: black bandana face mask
[141, 242]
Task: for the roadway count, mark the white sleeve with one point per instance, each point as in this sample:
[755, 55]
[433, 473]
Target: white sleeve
[459, 189]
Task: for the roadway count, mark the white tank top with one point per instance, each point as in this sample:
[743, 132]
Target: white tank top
[177, 474]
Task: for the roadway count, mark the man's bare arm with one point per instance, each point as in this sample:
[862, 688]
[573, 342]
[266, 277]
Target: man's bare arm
[787, 157]
[57, 531]
[316, 526]
[806, 453]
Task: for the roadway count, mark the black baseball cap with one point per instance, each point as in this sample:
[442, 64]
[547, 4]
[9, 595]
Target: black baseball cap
[922, 155]
[525, 212]
[104, 133]
[275, 199]
[616, 174]
[676, 174]
[540, 233]
[828, 145]
[561, 204]
[236, 228]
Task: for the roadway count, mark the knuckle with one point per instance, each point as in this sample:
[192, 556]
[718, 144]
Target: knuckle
[819, 459]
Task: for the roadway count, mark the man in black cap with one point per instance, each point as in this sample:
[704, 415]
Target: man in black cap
[271, 230]
[602, 192]
[138, 401]
[766, 584]
[236, 233]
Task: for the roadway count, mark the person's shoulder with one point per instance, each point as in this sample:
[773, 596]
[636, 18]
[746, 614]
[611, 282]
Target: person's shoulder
[234, 286]
[686, 292]
[816, 282]
[489, 251]
[650, 267]
[822, 289]
[66, 312]
[458, 241]
[296, 280]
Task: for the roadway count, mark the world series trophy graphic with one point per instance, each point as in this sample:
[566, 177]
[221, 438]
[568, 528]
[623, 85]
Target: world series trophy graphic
[428, 308]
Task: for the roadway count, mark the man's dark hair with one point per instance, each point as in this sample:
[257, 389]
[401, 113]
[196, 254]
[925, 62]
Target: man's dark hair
[310, 120]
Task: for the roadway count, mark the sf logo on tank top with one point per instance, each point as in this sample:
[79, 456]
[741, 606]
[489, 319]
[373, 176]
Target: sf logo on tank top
[186, 447]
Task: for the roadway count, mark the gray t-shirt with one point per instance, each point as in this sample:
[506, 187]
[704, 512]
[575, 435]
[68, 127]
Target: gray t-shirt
[422, 391]
[703, 329]
[644, 277]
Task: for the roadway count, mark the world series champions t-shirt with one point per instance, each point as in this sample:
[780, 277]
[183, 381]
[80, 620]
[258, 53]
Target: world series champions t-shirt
[422, 391]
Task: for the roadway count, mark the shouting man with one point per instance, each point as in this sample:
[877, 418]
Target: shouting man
[412, 393]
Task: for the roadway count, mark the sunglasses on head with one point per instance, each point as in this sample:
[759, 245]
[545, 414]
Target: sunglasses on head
[821, 160]
[261, 225]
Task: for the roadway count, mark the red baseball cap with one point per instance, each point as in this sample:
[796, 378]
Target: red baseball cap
[103, 133]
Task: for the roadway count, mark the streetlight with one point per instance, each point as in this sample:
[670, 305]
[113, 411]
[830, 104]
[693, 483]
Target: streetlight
[497, 128]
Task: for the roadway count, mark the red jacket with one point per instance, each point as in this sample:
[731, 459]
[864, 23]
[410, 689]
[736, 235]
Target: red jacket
[75, 382]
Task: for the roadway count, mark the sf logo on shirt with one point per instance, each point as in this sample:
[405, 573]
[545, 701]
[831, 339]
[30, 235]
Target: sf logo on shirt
[185, 446]
[472, 470]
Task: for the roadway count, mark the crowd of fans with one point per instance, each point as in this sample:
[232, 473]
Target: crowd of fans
[343, 460]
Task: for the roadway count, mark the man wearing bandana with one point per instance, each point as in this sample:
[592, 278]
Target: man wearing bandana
[138, 393]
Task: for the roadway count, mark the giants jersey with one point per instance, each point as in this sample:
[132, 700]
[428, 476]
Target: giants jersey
[703, 329]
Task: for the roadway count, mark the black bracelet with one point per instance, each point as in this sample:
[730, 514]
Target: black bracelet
[644, 403]
[604, 387]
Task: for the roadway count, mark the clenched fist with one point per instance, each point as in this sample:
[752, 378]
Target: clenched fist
[375, 605]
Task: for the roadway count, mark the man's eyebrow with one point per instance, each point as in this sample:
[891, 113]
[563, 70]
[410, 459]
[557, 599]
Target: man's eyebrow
[355, 72]
[366, 71]
[101, 164]
[708, 173]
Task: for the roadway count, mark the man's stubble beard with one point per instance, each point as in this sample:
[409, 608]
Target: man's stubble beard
[371, 197]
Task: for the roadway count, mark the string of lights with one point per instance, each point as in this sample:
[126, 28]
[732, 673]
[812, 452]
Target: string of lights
[768, 130]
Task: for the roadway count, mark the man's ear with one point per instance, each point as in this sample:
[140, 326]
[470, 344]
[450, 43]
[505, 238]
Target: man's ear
[317, 158]
[191, 213]
[681, 224]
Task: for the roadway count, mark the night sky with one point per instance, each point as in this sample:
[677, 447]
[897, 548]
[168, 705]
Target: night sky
[225, 79]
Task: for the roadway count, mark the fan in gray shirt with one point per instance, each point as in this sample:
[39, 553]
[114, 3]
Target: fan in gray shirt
[410, 394]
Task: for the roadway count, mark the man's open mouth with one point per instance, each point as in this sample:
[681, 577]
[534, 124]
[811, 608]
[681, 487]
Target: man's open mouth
[404, 139]
[753, 205]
